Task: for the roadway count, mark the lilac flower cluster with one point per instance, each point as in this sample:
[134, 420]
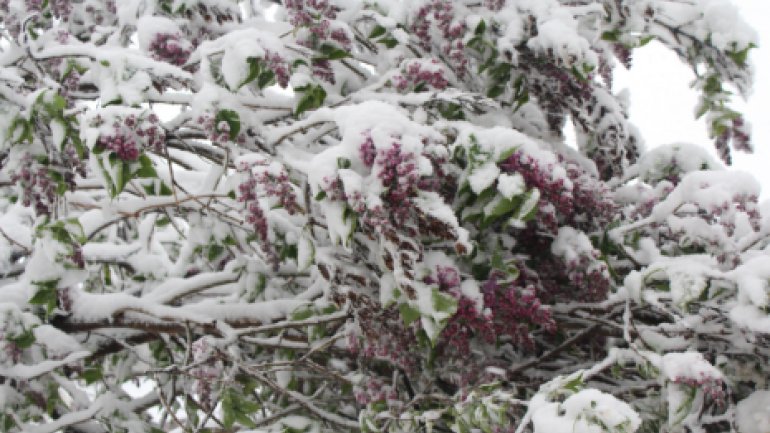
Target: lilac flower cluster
[553, 280]
[712, 387]
[206, 371]
[592, 202]
[61, 8]
[100, 14]
[737, 132]
[381, 334]
[515, 308]
[509, 310]
[415, 75]
[373, 390]
[305, 13]
[10, 352]
[33, 5]
[367, 151]
[552, 191]
[397, 170]
[218, 132]
[442, 14]
[466, 324]
[131, 135]
[38, 189]
[317, 17]
[563, 90]
[70, 83]
[279, 66]
[64, 297]
[170, 48]
[262, 180]
[589, 276]
[724, 214]
[585, 203]
[10, 327]
[494, 5]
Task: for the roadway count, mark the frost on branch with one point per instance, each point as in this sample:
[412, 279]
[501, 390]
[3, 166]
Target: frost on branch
[325, 216]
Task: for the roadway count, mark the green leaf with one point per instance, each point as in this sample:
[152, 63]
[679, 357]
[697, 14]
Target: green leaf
[214, 251]
[495, 91]
[146, 169]
[255, 69]
[302, 314]
[266, 78]
[332, 52]
[506, 154]
[228, 409]
[377, 31]
[612, 35]
[122, 175]
[45, 295]
[320, 196]
[312, 98]
[443, 303]
[578, 74]
[235, 407]
[389, 41]
[740, 57]
[451, 111]
[481, 271]
[497, 259]
[233, 121]
[576, 384]
[158, 187]
[91, 375]
[288, 251]
[408, 313]
[343, 162]
[481, 27]
[503, 207]
[713, 84]
[26, 130]
[23, 340]
[107, 275]
[646, 40]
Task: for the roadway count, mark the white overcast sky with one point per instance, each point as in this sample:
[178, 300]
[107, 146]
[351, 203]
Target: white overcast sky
[662, 103]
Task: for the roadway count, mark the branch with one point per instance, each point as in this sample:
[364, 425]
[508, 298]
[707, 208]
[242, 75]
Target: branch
[305, 402]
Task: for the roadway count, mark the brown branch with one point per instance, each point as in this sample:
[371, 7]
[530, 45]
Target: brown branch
[555, 351]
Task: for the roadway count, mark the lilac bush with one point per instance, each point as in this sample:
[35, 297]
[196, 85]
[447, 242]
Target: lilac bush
[323, 215]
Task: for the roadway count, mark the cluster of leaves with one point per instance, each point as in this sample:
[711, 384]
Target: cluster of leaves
[320, 216]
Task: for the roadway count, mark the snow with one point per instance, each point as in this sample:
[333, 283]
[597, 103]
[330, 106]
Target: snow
[699, 261]
[57, 343]
[710, 190]
[752, 414]
[660, 162]
[571, 245]
[149, 26]
[690, 365]
[725, 27]
[510, 185]
[583, 412]
[26, 372]
[481, 178]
